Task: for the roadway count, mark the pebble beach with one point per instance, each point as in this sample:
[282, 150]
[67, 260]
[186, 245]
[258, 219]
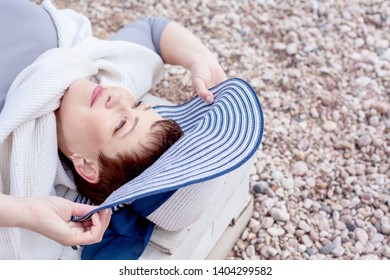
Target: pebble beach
[321, 69]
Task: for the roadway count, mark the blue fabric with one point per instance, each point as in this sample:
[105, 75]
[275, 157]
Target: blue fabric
[125, 238]
[129, 231]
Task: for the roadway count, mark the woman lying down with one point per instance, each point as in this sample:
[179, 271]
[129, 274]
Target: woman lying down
[80, 98]
[144, 164]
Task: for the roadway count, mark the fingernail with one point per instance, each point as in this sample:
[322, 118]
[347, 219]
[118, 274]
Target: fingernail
[209, 100]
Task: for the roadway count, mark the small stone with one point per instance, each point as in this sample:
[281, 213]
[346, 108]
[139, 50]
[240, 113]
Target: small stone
[354, 202]
[338, 251]
[272, 251]
[291, 48]
[314, 235]
[299, 168]
[327, 249]
[311, 182]
[309, 251]
[301, 248]
[326, 99]
[307, 241]
[378, 213]
[307, 203]
[361, 236]
[374, 120]
[350, 226]
[279, 214]
[253, 223]
[250, 250]
[368, 257]
[377, 238]
[264, 252]
[278, 46]
[267, 222]
[359, 248]
[274, 231]
[303, 225]
[385, 229]
[363, 81]
[381, 107]
[277, 175]
[303, 144]
[314, 113]
[287, 183]
[386, 252]
[367, 198]
[329, 126]
[364, 140]
[262, 187]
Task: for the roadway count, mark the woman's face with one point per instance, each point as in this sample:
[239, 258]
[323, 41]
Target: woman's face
[97, 118]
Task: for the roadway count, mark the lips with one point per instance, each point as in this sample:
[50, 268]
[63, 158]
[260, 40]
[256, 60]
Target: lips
[97, 92]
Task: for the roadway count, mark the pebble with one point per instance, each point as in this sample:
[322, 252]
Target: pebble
[250, 251]
[364, 140]
[350, 226]
[262, 187]
[307, 240]
[272, 251]
[368, 257]
[329, 126]
[385, 229]
[361, 236]
[381, 107]
[327, 249]
[303, 225]
[292, 49]
[338, 251]
[267, 222]
[279, 214]
[299, 168]
[274, 231]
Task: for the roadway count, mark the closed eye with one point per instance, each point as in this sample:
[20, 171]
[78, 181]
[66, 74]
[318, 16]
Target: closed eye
[137, 104]
[120, 125]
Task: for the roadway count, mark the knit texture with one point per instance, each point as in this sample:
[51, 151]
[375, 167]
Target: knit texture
[30, 166]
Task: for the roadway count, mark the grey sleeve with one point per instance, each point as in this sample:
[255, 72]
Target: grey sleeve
[26, 31]
[145, 31]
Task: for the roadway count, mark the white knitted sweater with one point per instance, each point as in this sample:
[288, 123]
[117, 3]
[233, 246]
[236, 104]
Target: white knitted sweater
[29, 163]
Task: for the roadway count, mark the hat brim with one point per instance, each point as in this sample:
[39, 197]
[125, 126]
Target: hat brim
[217, 139]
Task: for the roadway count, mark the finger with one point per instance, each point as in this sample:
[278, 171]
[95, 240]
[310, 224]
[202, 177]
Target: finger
[200, 87]
[105, 217]
[79, 209]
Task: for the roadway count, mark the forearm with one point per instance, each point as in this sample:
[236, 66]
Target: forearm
[181, 47]
[12, 211]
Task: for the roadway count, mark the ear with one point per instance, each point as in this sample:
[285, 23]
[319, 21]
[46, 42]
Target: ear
[88, 169]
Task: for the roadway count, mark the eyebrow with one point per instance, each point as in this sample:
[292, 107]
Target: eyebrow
[132, 128]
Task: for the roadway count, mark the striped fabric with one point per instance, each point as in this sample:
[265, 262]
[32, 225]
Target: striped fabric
[217, 139]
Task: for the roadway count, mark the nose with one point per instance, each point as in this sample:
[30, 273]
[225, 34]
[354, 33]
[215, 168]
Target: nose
[118, 99]
[113, 99]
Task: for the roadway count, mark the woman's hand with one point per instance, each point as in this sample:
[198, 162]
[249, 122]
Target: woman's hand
[180, 47]
[206, 73]
[50, 216]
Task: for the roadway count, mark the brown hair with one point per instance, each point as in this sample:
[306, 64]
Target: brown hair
[114, 172]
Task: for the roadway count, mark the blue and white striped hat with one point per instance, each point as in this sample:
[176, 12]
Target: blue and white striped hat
[217, 139]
